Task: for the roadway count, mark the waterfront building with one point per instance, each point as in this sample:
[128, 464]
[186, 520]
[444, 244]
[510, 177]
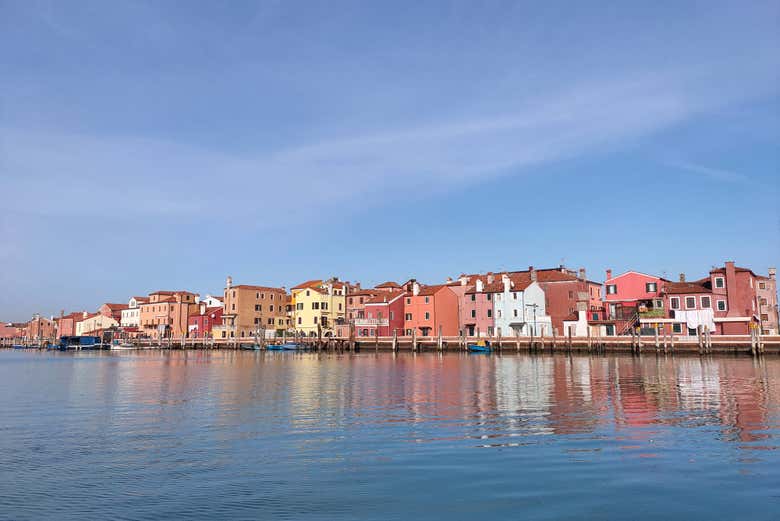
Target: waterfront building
[356, 305]
[319, 307]
[66, 324]
[130, 317]
[95, 324]
[383, 314]
[251, 311]
[631, 294]
[476, 307]
[166, 314]
[767, 302]
[520, 306]
[113, 310]
[201, 324]
[40, 328]
[431, 309]
[211, 301]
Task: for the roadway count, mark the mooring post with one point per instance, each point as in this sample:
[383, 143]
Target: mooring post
[554, 339]
[395, 339]
[541, 340]
[569, 338]
[440, 343]
[657, 343]
[699, 339]
[414, 339]
[517, 340]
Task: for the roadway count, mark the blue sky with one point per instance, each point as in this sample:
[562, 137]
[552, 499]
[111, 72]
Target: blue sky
[162, 145]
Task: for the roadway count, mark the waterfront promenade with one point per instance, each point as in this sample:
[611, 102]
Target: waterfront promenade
[668, 344]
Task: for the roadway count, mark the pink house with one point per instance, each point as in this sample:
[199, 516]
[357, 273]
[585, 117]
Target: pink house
[200, 325]
[477, 308]
[630, 295]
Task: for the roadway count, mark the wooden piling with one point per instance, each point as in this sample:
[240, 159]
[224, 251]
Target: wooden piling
[440, 342]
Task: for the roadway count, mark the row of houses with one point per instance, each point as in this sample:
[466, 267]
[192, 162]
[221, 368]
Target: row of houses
[530, 302]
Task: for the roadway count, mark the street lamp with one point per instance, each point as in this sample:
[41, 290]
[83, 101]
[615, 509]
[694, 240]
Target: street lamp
[533, 306]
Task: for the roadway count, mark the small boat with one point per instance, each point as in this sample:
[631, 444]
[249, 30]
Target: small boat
[251, 347]
[283, 347]
[483, 346]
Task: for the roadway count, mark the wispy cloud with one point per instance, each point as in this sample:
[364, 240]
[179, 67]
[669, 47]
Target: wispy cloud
[717, 174]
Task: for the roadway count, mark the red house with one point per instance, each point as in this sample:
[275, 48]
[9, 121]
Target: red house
[384, 313]
[630, 295]
[431, 308]
[199, 325]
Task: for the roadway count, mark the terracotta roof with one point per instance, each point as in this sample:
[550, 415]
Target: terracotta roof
[249, 286]
[386, 296]
[736, 268]
[431, 290]
[165, 292]
[116, 307]
[363, 293]
[141, 300]
[308, 284]
[388, 284]
[697, 286]
[520, 281]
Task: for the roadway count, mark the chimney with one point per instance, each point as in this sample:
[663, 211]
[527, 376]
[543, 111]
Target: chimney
[229, 282]
[531, 268]
[507, 283]
[480, 286]
[84, 314]
[533, 275]
[582, 274]
[490, 277]
[772, 273]
[449, 279]
[415, 288]
[464, 280]
[682, 277]
[609, 273]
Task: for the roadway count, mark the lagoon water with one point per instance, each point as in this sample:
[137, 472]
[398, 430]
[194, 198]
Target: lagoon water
[259, 435]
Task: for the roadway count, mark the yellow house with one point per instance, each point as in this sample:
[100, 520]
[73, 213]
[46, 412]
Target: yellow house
[319, 306]
[94, 323]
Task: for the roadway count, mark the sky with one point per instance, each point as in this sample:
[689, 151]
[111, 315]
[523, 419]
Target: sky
[167, 145]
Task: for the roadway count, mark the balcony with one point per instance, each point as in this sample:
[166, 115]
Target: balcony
[362, 322]
[652, 313]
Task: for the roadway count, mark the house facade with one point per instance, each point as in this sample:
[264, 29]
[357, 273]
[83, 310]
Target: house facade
[630, 296]
[95, 324]
[41, 328]
[476, 308]
[520, 307]
[201, 324]
[429, 309]
[252, 311]
[767, 302]
[319, 307]
[166, 314]
[130, 317]
[383, 314]
[66, 324]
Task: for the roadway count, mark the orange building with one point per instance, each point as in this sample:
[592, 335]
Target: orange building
[40, 328]
[430, 309]
[167, 313]
[252, 310]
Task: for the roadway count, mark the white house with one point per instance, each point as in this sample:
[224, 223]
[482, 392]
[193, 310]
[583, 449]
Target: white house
[131, 317]
[210, 301]
[520, 309]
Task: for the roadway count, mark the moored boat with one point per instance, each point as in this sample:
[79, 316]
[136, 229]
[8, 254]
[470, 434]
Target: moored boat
[483, 346]
[81, 342]
[290, 346]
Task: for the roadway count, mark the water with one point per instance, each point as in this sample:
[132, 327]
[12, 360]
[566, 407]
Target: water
[254, 435]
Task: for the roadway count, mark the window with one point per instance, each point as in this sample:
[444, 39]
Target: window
[427, 316]
[721, 305]
[489, 296]
[762, 285]
[764, 317]
[705, 303]
[490, 313]
[515, 313]
[392, 315]
[473, 297]
[299, 320]
[498, 314]
[571, 294]
[408, 332]
[514, 295]
[473, 313]
[258, 307]
[361, 300]
[676, 328]
[719, 282]
[659, 304]
[611, 289]
[408, 316]
[315, 320]
[762, 301]
[307, 292]
[315, 305]
[339, 306]
[350, 301]
[651, 287]
[427, 300]
[690, 302]
[408, 301]
[271, 296]
[271, 308]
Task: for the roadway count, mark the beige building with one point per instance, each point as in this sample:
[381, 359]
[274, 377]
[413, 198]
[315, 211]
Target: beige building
[95, 323]
[252, 311]
[166, 314]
